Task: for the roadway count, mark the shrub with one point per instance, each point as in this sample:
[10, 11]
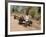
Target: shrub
[32, 14]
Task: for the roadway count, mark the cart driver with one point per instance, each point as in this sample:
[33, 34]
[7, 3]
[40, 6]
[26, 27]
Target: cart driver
[26, 18]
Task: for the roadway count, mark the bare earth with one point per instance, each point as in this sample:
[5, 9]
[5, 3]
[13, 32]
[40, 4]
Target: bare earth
[14, 26]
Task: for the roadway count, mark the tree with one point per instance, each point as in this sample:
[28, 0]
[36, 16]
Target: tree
[39, 10]
[27, 10]
[13, 9]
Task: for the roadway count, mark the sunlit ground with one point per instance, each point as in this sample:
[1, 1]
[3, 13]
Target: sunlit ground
[14, 26]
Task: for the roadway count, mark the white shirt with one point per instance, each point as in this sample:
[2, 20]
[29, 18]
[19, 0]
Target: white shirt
[26, 18]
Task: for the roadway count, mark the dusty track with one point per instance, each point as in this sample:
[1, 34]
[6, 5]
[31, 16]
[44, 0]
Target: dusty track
[14, 26]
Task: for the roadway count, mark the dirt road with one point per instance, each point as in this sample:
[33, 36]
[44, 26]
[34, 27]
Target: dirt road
[14, 26]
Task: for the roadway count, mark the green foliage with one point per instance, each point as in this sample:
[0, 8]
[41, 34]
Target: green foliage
[39, 10]
[13, 10]
[32, 14]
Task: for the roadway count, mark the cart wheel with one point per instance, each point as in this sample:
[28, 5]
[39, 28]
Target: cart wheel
[28, 24]
[25, 25]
